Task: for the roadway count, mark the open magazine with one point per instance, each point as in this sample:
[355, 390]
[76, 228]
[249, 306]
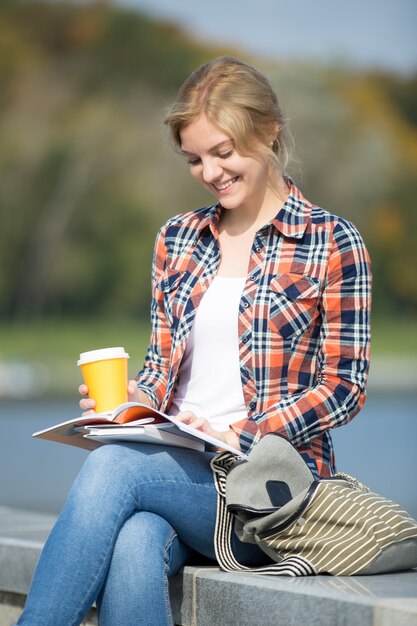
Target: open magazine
[134, 422]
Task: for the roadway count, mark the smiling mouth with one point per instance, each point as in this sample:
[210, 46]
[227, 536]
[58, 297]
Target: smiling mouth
[226, 185]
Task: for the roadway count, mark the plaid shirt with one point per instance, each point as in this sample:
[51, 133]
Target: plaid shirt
[303, 321]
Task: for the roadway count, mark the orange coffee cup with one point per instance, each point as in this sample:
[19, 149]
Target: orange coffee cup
[105, 373]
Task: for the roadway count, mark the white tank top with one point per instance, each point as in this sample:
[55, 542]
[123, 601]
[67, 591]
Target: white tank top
[209, 375]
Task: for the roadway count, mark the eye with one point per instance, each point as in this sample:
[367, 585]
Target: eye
[192, 162]
[225, 155]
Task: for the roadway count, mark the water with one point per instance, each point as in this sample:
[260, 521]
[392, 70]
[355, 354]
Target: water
[378, 447]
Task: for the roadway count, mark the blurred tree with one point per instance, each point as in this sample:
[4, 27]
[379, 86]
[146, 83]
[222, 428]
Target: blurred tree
[86, 177]
[82, 157]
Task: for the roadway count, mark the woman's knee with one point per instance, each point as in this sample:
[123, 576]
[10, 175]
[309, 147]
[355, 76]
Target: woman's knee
[148, 548]
[104, 478]
[105, 458]
[108, 464]
[144, 535]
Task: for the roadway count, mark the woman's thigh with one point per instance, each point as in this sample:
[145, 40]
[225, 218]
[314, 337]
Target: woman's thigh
[175, 483]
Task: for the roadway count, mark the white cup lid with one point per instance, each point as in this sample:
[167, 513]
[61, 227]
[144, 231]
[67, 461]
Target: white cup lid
[102, 354]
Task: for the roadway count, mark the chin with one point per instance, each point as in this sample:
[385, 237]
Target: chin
[230, 203]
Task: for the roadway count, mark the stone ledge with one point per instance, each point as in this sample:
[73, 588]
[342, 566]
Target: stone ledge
[11, 605]
[217, 598]
[205, 596]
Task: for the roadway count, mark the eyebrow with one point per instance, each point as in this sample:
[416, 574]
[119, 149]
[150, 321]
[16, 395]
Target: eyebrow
[213, 149]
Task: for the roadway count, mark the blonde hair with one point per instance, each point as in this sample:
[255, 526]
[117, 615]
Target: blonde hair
[240, 102]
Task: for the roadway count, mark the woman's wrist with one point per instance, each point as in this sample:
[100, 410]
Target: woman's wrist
[137, 395]
[231, 438]
[143, 397]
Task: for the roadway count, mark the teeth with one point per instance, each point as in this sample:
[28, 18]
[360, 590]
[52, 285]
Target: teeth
[226, 185]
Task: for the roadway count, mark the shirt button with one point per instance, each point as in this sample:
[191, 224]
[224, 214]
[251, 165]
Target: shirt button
[245, 304]
[252, 406]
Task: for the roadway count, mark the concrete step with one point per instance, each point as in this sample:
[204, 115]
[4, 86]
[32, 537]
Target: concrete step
[205, 596]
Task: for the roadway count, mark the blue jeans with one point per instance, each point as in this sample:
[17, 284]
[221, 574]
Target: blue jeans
[134, 516]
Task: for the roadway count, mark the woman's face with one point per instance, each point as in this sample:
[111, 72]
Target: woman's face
[236, 181]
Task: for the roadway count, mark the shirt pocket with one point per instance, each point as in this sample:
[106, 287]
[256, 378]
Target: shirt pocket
[294, 302]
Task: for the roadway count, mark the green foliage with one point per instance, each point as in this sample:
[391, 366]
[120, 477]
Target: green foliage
[87, 176]
[86, 182]
[402, 93]
[52, 346]
[55, 338]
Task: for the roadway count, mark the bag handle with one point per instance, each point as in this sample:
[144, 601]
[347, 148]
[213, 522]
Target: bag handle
[288, 566]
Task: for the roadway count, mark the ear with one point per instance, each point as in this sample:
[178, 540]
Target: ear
[275, 128]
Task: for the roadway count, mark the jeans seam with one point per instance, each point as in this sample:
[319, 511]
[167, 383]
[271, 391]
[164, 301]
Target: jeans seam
[170, 619]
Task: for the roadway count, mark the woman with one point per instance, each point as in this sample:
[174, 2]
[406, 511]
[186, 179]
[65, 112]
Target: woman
[260, 323]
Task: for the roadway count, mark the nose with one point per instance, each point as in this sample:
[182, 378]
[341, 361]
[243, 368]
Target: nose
[212, 170]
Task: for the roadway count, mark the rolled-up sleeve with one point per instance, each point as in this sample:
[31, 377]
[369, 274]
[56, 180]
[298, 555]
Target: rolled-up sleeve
[153, 377]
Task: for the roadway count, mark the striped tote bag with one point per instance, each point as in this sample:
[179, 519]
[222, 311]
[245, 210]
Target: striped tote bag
[306, 526]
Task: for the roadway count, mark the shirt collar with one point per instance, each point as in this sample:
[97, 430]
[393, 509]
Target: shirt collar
[291, 220]
[295, 214]
[211, 219]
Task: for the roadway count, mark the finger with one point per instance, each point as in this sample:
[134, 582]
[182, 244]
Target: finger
[83, 390]
[87, 404]
[191, 419]
[132, 391]
[198, 423]
[87, 413]
[186, 416]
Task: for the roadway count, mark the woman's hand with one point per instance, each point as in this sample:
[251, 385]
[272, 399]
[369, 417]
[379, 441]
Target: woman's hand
[133, 395]
[189, 418]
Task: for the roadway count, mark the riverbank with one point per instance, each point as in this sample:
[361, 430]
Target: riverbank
[60, 377]
[38, 358]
